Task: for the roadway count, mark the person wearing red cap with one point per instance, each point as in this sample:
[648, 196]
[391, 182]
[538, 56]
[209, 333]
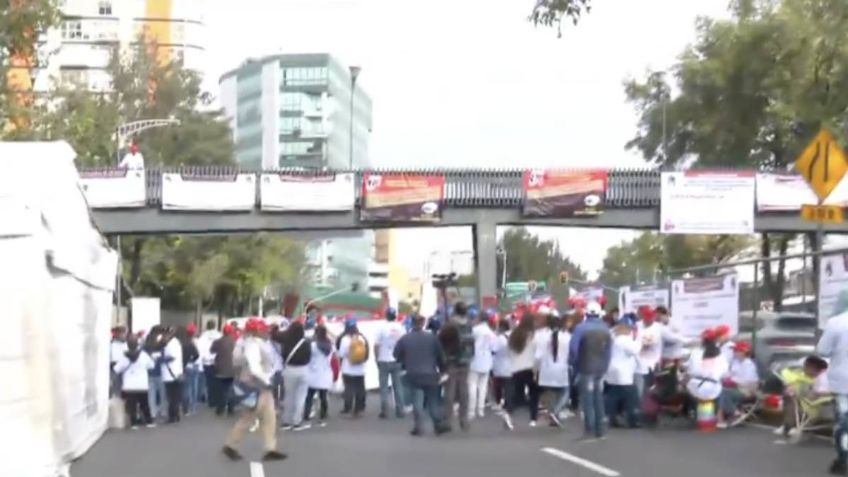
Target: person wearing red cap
[222, 349]
[706, 369]
[723, 335]
[649, 335]
[741, 381]
[133, 159]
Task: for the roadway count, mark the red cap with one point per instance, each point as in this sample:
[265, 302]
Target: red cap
[228, 329]
[709, 334]
[742, 347]
[134, 148]
[647, 313]
[191, 329]
[722, 331]
[602, 300]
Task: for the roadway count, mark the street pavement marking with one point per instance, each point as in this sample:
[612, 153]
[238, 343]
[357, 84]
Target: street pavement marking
[581, 462]
[256, 469]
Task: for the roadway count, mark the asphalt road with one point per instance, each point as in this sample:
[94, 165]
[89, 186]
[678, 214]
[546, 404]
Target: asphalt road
[374, 448]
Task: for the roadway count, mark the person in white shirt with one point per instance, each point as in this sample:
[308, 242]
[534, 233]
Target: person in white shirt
[706, 370]
[133, 159]
[256, 372]
[133, 367]
[552, 350]
[834, 345]
[501, 371]
[353, 368]
[320, 378]
[117, 348]
[384, 348]
[620, 392]
[207, 359]
[649, 335]
[673, 342]
[171, 368]
[481, 363]
[522, 359]
[742, 381]
[723, 339]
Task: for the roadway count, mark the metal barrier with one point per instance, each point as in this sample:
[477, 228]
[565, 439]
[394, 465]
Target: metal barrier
[627, 188]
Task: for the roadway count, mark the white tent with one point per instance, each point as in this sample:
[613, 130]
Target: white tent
[56, 288]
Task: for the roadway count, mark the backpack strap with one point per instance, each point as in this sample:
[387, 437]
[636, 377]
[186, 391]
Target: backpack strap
[294, 350]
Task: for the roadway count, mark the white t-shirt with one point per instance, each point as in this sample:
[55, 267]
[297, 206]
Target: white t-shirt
[116, 350]
[672, 342]
[623, 360]
[134, 373]
[834, 345]
[132, 161]
[500, 363]
[744, 373]
[387, 338]
[524, 360]
[651, 343]
[172, 370]
[553, 371]
[484, 348]
[705, 376]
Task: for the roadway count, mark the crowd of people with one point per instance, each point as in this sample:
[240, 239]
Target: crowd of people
[449, 370]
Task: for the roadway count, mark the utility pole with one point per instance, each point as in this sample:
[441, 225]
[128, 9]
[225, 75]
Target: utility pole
[354, 74]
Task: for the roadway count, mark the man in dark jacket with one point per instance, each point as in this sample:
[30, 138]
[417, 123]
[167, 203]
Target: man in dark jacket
[457, 338]
[590, 353]
[225, 371]
[421, 356]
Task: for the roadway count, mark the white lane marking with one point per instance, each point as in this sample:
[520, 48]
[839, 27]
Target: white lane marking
[256, 469]
[581, 462]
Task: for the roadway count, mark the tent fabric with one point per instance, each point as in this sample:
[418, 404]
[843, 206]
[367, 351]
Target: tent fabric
[56, 293]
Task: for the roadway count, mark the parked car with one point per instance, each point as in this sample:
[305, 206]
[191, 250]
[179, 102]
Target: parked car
[782, 337]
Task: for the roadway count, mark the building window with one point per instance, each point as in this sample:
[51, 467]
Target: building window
[105, 8]
[300, 148]
[304, 76]
[292, 101]
[72, 30]
[290, 125]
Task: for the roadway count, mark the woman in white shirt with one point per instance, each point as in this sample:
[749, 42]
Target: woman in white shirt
[501, 371]
[172, 373]
[741, 381]
[353, 373]
[481, 365]
[133, 367]
[706, 369]
[649, 335]
[552, 364]
[320, 377]
[620, 392]
[522, 358]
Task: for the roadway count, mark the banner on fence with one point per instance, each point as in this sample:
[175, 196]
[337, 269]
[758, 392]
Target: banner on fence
[705, 202]
[787, 193]
[564, 193]
[833, 287]
[631, 298]
[307, 193]
[402, 197]
[702, 303]
[225, 192]
[114, 188]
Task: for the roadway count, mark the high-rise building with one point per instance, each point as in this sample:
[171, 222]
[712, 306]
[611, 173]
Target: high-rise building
[297, 110]
[78, 51]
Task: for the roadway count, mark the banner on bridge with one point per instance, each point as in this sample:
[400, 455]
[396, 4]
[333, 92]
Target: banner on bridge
[787, 193]
[702, 303]
[114, 188]
[402, 197]
[307, 193]
[222, 192]
[564, 193]
[833, 287]
[707, 202]
[630, 299]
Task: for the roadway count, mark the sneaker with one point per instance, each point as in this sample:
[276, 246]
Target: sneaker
[274, 455]
[133, 428]
[587, 439]
[231, 453]
[383, 415]
[481, 414]
[780, 431]
[302, 427]
[722, 425]
[532, 423]
[151, 425]
[254, 426]
[416, 433]
[286, 427]
[838, 468]
[408, 409]
[555, 420]
[322, 423]
[507, 421]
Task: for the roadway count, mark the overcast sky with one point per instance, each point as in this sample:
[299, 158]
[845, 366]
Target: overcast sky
[470, 83]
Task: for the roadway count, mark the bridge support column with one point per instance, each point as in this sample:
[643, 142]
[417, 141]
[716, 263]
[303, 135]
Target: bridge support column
[485, 261]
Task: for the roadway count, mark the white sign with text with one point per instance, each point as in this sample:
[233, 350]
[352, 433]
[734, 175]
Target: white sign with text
[226, 192]
[701, 303]
[307, 193]
[630, 299]
[706, 202]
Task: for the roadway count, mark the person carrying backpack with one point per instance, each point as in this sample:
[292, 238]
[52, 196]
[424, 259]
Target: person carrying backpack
[354, 351]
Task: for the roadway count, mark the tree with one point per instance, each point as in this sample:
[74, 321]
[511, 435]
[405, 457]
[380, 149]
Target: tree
[530, 258]
[752, 91]
[551, 12]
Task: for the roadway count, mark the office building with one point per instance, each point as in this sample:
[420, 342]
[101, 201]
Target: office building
[297, 110]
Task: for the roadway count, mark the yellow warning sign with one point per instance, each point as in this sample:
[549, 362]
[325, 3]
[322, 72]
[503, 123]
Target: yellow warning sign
[822, 164]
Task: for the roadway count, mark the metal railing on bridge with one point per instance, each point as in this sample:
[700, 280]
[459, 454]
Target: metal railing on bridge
[497, 188]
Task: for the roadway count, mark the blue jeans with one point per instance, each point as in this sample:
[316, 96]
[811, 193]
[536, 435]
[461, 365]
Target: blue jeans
[622, 399]
[592, 403]
[392, 370]
[840, 435]
[191, 390]
[157, 398]
[429, 397]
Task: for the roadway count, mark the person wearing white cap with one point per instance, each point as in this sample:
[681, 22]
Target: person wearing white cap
[590, 350]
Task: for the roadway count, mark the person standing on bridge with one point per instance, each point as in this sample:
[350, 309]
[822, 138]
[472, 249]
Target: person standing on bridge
[834, 345]
[591, 349]
[256, 371]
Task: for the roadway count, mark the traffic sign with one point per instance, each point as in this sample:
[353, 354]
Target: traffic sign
[823, 164]
[825, 214]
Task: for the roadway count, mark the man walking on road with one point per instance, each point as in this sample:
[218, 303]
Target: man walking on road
[457, 338]
[591, 347]
[388, 367]
[834, 345]
[421, 356]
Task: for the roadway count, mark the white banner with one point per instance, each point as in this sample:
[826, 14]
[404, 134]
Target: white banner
[783, 192]
[114, 188]
[833, 287]
[221, 192]
[703, 202]
[146, 313]
[702, 303]
[317, 193]
[631, 298]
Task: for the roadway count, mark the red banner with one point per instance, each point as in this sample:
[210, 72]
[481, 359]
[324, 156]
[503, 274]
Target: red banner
[564, 193]
[402, 197]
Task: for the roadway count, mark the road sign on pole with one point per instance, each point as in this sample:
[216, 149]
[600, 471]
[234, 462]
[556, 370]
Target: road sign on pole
[825, 214]
[823, 164]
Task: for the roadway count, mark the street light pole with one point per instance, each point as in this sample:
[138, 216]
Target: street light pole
[121, 133]
[354, 74]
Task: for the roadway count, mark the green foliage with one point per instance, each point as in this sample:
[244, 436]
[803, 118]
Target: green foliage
[551, 12]
[530, 258]
[650, 256]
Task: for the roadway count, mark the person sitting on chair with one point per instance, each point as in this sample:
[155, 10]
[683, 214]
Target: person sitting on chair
[740, 383]
[808, 384]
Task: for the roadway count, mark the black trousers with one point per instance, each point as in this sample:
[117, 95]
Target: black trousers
[521, 381]
[209, 376]
[500, 388]
[310, 397]
[354, 393]
[174, 390]
[137, 407]
[222, 395]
